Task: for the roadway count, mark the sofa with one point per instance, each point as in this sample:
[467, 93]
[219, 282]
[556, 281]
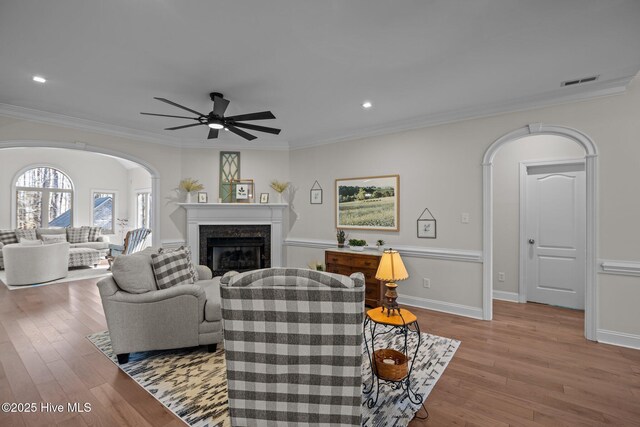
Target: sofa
[142, 317]
[78, 238]
[31, 264]
[293, 346]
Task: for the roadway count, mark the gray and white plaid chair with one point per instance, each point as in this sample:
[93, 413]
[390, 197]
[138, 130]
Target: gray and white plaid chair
[293, 344]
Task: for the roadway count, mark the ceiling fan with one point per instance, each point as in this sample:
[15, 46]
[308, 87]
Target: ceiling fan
[216, 119]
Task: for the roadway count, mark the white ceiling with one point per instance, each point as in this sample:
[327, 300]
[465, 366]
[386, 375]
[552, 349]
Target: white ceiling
[312, 63]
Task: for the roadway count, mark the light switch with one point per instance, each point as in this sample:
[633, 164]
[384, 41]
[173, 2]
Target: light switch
[464, 218]
[501, 277]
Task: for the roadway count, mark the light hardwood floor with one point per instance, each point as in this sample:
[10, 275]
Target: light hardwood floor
[530, 366]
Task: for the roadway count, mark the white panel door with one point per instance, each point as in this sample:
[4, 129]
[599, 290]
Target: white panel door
[555, 230]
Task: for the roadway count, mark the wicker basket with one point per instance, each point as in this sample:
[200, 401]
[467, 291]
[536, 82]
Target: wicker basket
[387, 371]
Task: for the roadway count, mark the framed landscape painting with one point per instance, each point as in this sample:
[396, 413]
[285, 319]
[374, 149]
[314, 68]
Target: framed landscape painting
[368, 203]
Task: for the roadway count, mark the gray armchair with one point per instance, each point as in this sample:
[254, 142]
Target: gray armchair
[141, 317]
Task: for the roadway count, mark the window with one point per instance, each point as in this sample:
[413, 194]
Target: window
[104, 211]
[44, 198]
[143, 210]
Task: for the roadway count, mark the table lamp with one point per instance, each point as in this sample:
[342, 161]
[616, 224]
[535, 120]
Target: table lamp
[391, 269]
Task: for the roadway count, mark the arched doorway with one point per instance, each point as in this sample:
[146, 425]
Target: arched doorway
[591, 216]
[153, 172]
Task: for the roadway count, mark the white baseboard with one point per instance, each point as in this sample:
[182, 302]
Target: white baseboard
[621, 339]
[506, 296]
[445, 307]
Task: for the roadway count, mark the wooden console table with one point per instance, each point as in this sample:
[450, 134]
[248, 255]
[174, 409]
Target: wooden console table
[345, 261]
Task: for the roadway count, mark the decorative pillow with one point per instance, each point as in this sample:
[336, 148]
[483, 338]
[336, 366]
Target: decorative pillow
[26, 234]
[171, 269]
[49, 231]
[77, 235]
[8, 236]
[30, 242]
[187, 249]
[133, 273]
[48, 239]
[94, 232]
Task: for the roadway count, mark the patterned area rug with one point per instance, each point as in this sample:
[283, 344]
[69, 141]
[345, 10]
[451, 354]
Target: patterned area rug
[75, 273]
[192, 382]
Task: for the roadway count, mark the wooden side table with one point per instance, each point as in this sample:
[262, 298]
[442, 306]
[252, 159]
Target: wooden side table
[381, 324]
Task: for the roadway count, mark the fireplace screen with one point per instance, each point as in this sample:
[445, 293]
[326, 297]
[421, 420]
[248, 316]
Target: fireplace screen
[239, 254]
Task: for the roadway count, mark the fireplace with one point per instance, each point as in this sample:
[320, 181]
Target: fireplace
[238, 254]
[240, 248]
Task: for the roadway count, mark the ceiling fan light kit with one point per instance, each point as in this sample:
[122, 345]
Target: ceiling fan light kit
[216, 120]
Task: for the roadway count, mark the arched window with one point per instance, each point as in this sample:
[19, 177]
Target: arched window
[44, 198]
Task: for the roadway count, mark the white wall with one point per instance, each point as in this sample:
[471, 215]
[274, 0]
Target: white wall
[440, 167]
[87, 171]
[506, 198]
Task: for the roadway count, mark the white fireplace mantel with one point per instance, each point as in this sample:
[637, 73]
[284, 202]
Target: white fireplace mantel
[236, 214]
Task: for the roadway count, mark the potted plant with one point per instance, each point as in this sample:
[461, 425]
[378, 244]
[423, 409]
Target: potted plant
[357, 244]
[279, 187]
[380, 244]
[316, 265]
[190, 185]
[341, 237]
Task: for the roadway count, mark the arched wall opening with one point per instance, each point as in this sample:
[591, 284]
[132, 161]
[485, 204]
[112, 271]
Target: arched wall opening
[136, 166]
[591, 216]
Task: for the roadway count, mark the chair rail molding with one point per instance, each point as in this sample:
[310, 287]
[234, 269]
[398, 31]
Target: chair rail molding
[410, 251]
[591, 171]
[623, 268]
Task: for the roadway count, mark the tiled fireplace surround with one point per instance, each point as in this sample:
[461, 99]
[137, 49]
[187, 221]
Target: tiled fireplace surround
[236, 220]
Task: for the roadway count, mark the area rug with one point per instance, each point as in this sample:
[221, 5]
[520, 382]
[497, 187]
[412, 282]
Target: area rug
[192, 382]
[75, 273]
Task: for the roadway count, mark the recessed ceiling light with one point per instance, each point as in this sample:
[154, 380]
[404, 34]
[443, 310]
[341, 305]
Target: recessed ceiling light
[39, 79]
[367, 104]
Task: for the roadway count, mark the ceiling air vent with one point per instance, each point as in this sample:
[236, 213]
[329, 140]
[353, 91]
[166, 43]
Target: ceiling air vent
[579, 81]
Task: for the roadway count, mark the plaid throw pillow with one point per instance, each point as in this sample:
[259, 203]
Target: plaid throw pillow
[171, 269]
[94, 232]
[77, 235]
[8, 236]
[26, 235]
[187, 249]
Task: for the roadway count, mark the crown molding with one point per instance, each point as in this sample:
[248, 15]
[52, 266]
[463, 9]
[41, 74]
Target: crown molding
[547, 99]
[46, 117]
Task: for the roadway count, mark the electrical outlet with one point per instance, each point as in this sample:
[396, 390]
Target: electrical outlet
[464, 218]
[426, 282]
[501, 277]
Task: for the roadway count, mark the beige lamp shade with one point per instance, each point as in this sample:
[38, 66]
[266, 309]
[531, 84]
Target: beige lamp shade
[391, 267]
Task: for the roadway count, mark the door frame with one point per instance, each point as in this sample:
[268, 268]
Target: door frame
[524, 165]
[591, 176]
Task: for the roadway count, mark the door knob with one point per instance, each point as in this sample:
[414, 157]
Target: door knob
[531, 241]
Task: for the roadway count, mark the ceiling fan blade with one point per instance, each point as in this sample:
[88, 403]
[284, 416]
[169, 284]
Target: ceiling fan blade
[185, 126]
[213, 133]
[178, 105]
[219, 106]
[166, 115]
[263, 115]
[241, 133]
[258, 128]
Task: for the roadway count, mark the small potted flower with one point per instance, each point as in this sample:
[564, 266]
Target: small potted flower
[279, 187]
[380, 245]
[357, 244]
[341, 237]
[190, 185]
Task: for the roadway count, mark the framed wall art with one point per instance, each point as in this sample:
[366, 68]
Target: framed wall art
[241, 190]
[315, 195]
[426, 226]
[368, 203]
[264, 198]
[203, 197]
